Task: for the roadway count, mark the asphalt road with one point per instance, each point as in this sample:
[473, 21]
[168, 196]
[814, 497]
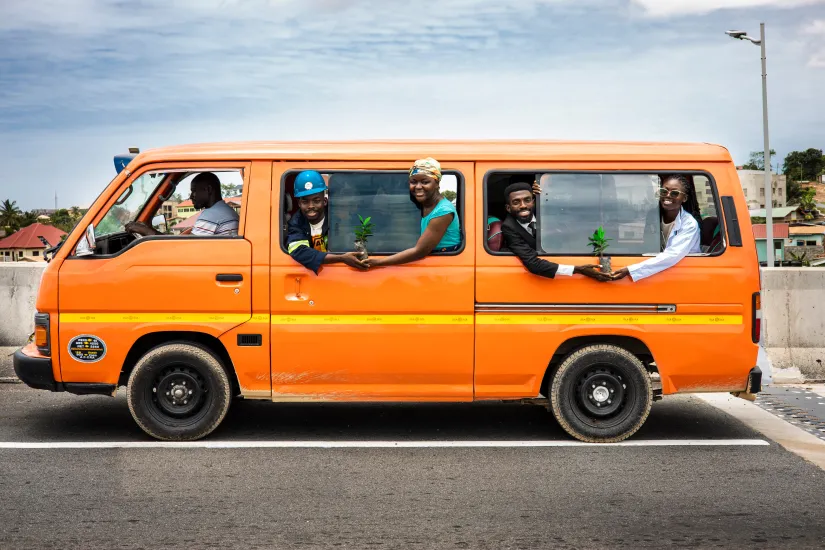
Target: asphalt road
[557, 497]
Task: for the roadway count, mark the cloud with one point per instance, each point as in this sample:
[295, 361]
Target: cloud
[816, 31]
[669, 8]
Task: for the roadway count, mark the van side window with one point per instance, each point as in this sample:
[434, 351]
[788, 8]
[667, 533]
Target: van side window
[573, 205]
[383, 196]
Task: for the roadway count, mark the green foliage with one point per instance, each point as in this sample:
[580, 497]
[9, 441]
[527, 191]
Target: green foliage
[793, 192]
[757, 160]
[449, 195]
[66, 219]
[9, 215]
[599, 242]
[801, 258]
[805, 165]
[364, 230]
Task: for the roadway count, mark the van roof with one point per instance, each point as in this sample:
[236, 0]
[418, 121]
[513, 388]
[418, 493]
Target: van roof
[500, 150]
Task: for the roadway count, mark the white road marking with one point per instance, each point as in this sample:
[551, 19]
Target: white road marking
[208, 444]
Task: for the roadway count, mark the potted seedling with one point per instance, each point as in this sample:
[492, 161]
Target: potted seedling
[363, 231]
[599, 243]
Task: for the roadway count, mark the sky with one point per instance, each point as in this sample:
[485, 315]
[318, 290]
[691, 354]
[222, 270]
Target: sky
[83, 80]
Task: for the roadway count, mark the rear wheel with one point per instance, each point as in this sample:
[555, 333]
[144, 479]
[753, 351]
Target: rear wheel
[179, 391]
[601, 394]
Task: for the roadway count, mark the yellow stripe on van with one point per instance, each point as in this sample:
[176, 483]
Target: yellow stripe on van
[372, 319]
[481, 319]
[234, 318]
[612, 319]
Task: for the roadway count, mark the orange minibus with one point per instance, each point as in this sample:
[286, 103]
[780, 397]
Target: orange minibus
[188, 322]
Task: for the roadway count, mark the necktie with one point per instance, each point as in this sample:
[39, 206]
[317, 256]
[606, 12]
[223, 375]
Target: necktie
[532, 226]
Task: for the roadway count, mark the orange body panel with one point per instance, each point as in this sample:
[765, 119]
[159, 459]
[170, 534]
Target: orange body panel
[404, 332]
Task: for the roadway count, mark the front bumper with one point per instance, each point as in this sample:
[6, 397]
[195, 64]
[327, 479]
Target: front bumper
[35, 370]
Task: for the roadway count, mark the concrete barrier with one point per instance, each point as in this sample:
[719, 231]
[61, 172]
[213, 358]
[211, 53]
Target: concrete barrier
[793, 307]
[19, 282]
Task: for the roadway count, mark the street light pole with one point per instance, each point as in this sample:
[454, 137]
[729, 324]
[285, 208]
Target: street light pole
[768, 182]
[767, 154]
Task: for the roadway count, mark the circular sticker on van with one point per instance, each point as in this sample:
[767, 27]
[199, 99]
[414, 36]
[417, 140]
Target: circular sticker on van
[87, 348]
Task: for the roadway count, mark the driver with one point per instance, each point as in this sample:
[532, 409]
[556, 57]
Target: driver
[218, 218]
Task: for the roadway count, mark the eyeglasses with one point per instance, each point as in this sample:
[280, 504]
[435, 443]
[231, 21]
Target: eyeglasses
[673, 194]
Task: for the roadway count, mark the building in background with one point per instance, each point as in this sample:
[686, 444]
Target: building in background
[780, 236]
[28, 244]
[753, 185]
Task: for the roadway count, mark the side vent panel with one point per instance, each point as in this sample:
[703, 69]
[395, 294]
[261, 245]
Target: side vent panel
[250, 340]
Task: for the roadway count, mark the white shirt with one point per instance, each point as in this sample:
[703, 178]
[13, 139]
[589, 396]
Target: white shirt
[563, 269]
[683, 240]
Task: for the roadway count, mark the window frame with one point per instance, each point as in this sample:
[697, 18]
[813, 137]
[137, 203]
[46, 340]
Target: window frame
[243, 167]
[711, 180]
[460, 190]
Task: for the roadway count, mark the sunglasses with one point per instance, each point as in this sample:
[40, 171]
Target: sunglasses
[673, 194]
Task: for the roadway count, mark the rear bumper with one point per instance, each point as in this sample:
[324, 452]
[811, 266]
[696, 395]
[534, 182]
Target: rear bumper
[35, 371]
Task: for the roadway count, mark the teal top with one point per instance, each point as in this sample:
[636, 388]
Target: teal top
[453, 235]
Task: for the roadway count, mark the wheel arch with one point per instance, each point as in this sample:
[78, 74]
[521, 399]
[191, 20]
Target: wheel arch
[154, 339]
[634, 345]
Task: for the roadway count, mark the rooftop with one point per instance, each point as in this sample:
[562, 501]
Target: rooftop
[407, 151]
[780, 231]
[807, 230]
[777, 212]
[30, 237]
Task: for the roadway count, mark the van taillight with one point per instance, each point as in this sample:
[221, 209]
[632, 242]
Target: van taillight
[756, 331]
[41, 333]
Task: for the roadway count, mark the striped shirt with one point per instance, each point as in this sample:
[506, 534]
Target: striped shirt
[218, 219]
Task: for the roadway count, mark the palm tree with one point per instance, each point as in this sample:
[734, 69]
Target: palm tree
[9, 213]
[27, 218]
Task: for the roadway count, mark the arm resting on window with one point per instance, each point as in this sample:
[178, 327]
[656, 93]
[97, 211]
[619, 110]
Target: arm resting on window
[528, 255]
[682, 244]
[426, 243]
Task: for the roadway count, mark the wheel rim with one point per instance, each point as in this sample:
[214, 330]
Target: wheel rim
[602, 395]
[179, 395]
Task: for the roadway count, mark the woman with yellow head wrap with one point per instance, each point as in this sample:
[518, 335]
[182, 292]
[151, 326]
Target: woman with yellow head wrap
[440, 230]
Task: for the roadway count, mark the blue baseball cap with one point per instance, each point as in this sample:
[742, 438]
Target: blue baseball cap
[309, 182]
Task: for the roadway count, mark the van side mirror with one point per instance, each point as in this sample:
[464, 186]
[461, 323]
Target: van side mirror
[159, 223]
[87, 244]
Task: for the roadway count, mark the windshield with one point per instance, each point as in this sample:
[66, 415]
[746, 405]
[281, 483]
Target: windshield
[130, 203]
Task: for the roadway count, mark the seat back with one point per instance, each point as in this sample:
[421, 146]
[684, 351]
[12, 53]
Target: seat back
[494, 237]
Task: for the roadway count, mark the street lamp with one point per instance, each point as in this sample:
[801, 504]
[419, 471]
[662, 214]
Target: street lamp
[742, 35]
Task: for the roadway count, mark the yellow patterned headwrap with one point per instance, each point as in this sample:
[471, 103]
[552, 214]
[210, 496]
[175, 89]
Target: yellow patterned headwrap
[428, 166]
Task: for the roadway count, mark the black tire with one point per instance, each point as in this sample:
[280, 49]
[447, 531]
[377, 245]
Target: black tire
[601, 394]
[179, 392]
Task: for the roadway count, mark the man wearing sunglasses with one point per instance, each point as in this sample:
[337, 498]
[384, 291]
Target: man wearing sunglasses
[679, 230]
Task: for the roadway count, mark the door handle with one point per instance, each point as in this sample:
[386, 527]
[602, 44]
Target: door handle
[229, 277]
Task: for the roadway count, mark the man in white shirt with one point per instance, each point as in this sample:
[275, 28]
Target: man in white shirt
[519, 231]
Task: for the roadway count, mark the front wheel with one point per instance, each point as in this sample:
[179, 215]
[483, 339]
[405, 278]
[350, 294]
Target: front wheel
[179, 391]
[601, 394]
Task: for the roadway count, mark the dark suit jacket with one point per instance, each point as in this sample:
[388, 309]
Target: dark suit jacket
[523, 244]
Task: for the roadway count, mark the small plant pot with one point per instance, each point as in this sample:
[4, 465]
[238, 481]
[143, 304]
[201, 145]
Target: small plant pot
[605, 264]
[361, 248]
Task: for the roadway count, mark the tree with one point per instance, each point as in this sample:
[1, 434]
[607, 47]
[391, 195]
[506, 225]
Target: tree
[793, 192]
[804, 165]
[9, 215]
[757, 160]
[449, 195]
[66, 219]
[807, 203]
[27, 218]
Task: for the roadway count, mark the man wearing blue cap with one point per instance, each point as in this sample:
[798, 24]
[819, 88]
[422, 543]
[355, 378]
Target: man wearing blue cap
[308, 229]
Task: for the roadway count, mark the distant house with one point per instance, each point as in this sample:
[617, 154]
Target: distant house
[783, 213]
[806, 235]
[189, 218]
[780, 236]
[28, 244]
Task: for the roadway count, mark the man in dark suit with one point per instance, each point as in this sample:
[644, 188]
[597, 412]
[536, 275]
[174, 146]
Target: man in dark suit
[519, 231]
